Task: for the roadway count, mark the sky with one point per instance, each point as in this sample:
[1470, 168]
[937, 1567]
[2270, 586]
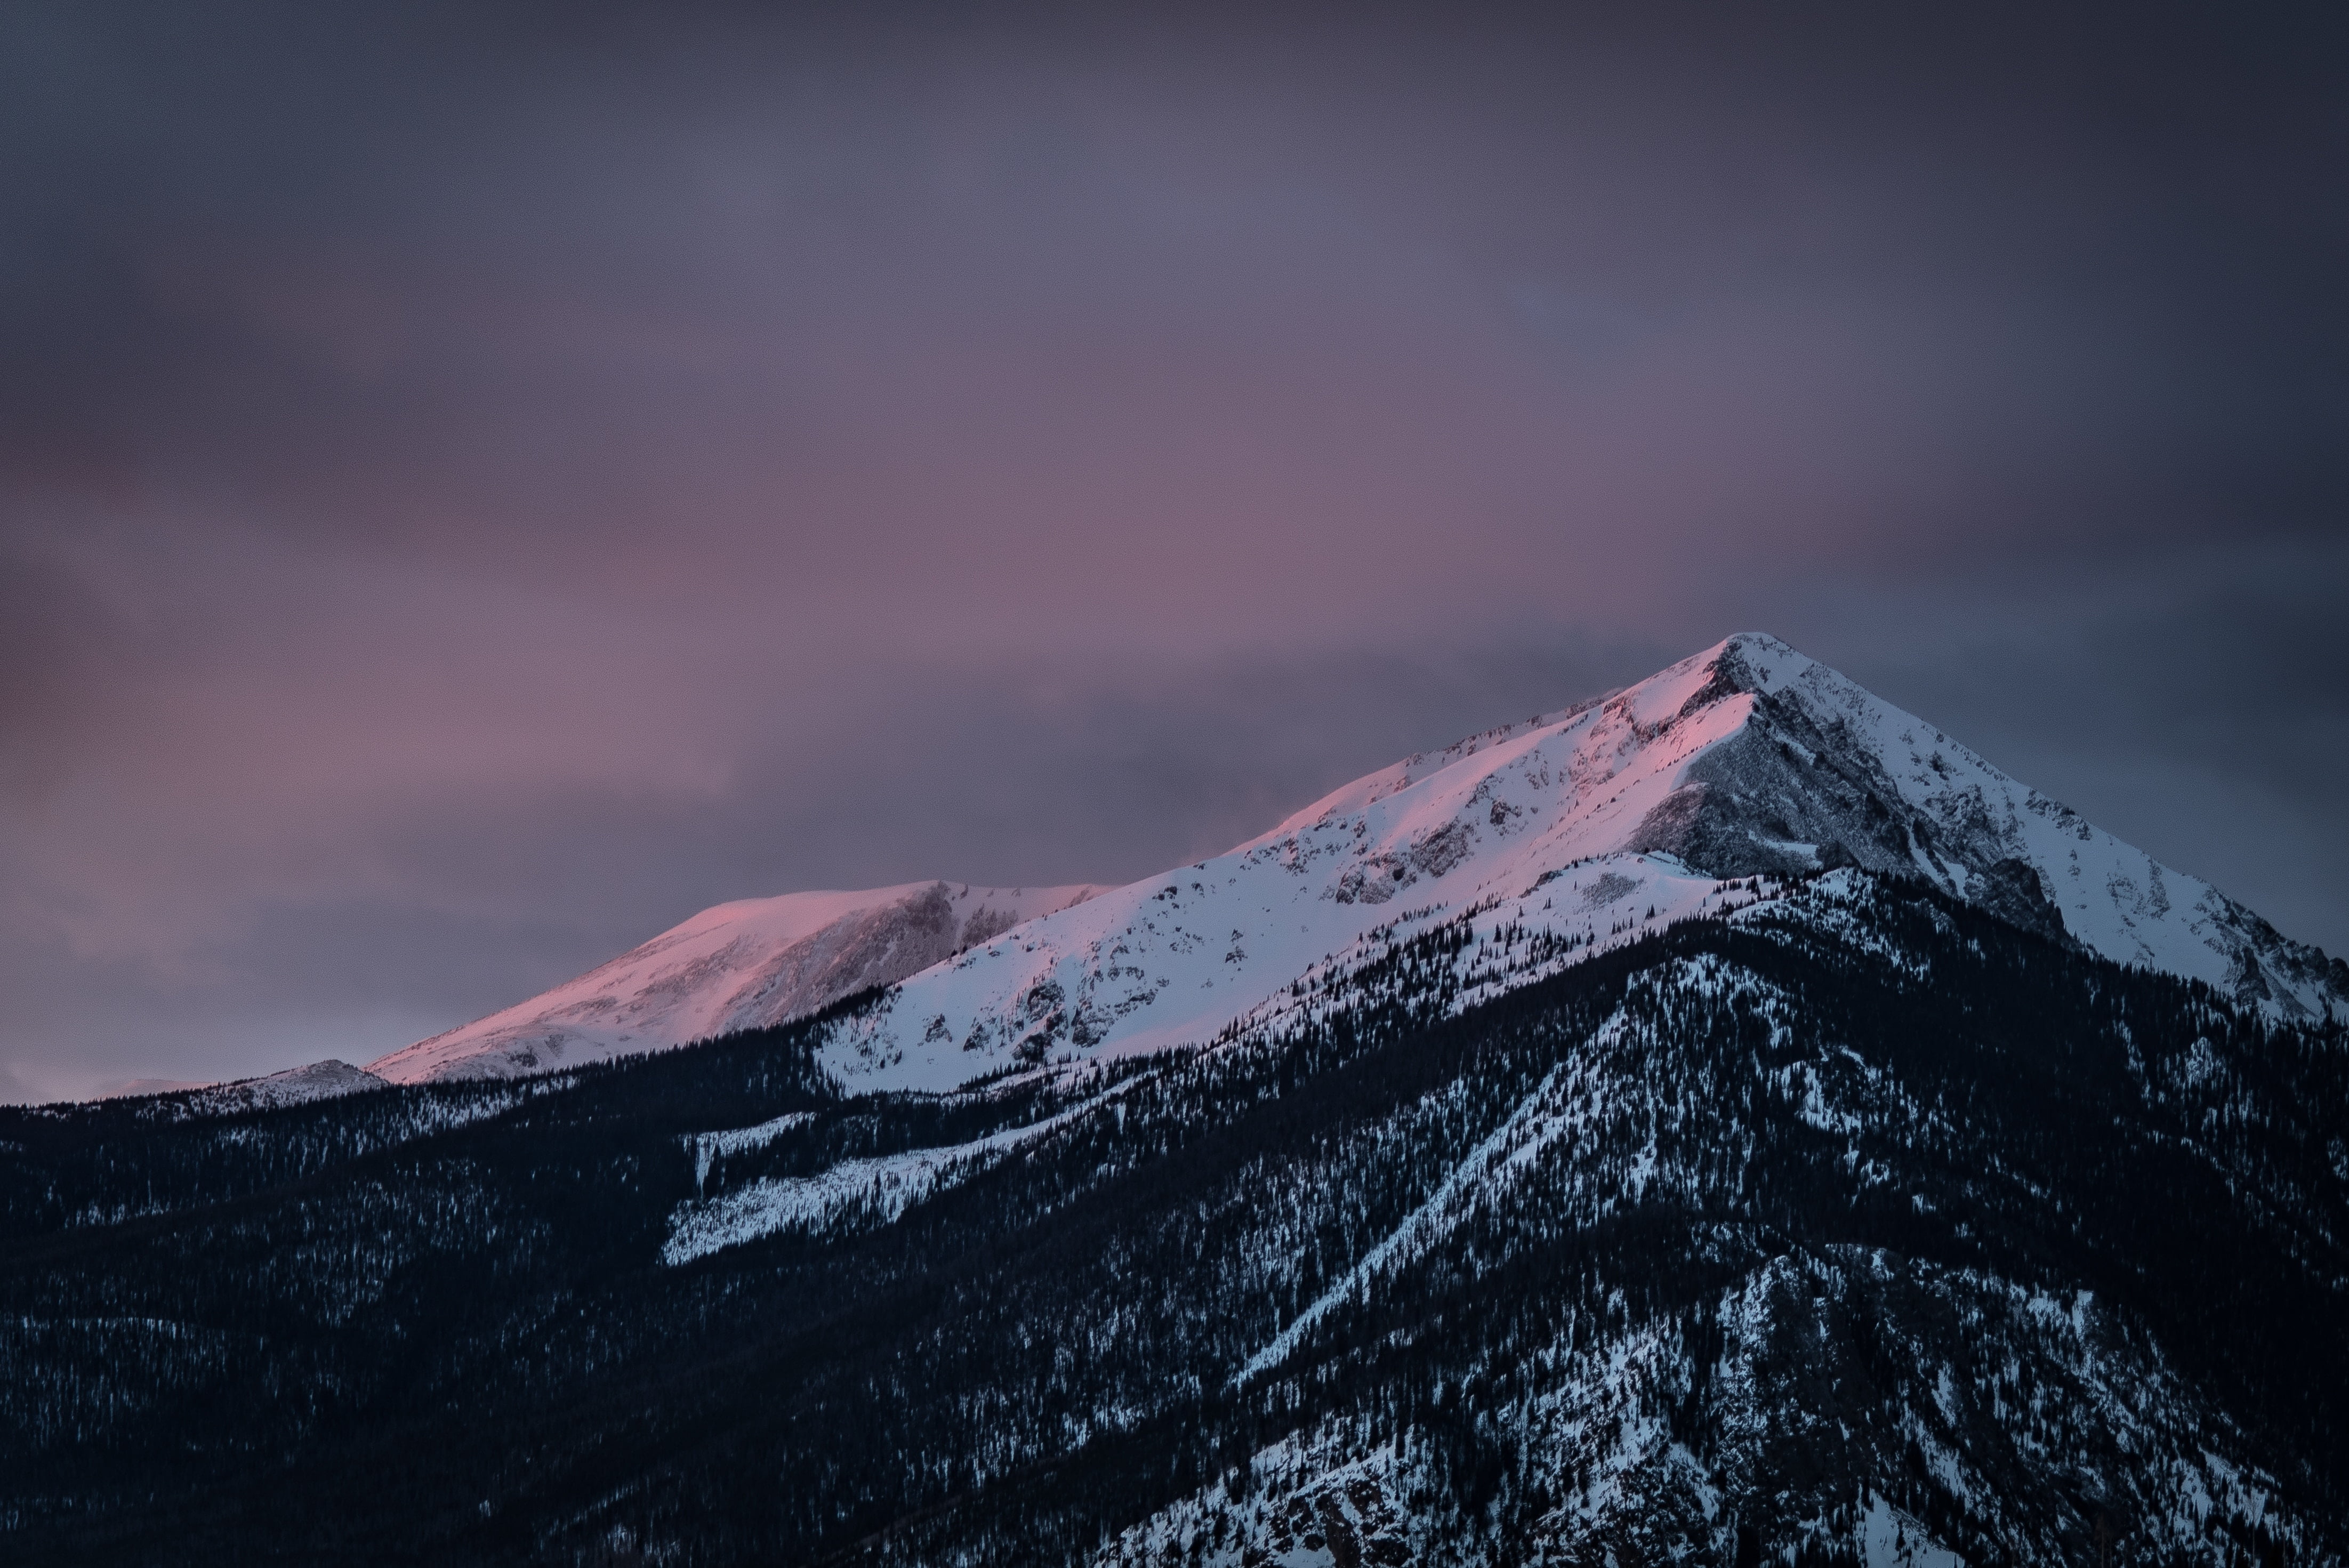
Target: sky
[481, 482]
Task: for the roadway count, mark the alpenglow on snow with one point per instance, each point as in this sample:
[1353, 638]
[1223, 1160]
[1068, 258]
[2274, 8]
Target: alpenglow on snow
[1603, 821]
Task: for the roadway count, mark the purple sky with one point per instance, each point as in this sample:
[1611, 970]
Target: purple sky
[478, 484]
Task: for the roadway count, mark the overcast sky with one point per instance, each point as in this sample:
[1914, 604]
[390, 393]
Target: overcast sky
[479, 484]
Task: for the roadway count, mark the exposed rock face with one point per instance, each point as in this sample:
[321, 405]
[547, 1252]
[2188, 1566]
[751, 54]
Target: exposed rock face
[1753, 804]
[2012, 890]
[855, 952]
[1787, 795]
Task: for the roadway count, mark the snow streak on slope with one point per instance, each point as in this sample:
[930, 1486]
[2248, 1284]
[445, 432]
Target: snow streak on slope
[863, 1193]
[744, 965]
[1478, 1180]
[1745, 760]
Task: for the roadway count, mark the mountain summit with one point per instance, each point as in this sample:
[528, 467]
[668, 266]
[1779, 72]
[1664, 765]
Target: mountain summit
[1596, 824]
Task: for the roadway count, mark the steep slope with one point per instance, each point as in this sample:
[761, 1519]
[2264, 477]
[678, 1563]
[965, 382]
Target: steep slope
[1593, 826]
[745, 965]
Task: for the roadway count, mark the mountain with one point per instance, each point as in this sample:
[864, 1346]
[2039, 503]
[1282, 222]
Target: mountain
[1746, 759]
[1714, 1125]
[745, 965]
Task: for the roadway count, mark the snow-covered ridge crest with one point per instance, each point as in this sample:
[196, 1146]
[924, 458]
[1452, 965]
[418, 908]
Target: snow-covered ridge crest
[1618, 816]
[744, 965]
[326, 1080]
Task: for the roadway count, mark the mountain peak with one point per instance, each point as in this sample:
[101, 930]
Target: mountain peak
[1594, 825]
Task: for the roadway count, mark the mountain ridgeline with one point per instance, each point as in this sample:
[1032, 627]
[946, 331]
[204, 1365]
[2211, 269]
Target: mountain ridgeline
[1681, 1133]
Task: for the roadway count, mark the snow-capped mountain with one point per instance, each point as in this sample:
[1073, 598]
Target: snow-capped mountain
[745, 965]
[1723, 1124]
[1597, 824]
[1600, 822]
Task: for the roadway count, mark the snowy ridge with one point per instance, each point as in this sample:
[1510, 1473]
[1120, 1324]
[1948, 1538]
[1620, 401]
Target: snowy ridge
[744, 965]
[324, 1080]
[1597, 823]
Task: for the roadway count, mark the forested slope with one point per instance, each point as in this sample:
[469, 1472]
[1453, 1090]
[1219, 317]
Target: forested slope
[1882, 1228]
